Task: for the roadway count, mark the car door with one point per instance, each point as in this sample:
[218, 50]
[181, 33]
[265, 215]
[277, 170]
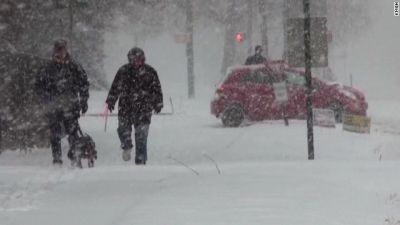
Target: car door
[296, 106]
[272, 108]
[320, 99]
[259, 95]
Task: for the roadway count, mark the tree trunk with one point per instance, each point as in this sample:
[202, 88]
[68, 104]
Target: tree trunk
[285, 17]
[229, 45]
[264, 33]
[249, 33]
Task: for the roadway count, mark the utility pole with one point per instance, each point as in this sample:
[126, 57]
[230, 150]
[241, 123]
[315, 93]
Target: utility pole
[231, 22]
[264, 28]
[71, 22]
[249, 32]
[189, 48]
[285, 23]
[307, 45]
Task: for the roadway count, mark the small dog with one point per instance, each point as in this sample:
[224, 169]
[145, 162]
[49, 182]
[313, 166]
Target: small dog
[85, 149]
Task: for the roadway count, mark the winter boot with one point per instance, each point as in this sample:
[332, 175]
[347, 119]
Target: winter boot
[126, 151]
[57, 161]
[140, 160]
[77, 163]
[126, 154]
[71, 156]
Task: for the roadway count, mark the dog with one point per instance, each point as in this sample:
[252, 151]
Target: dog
[85, 149]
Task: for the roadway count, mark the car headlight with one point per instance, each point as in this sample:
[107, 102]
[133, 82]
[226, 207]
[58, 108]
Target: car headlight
[348, 94]
[218, 96]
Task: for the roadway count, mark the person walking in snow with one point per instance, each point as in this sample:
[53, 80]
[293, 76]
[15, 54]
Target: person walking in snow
[257, 58]
[63, 87]
[137, 88]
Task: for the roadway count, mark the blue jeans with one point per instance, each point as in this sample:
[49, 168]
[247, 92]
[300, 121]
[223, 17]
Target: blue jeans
[141, 133]
[57, 120]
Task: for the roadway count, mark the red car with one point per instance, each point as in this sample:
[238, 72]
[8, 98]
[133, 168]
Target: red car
[247, 92]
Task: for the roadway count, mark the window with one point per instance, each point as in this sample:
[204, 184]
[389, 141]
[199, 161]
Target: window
[250, 78]
[266, 78]
[294, 78]
[257, 77]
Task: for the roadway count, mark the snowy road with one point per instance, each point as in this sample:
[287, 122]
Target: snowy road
[265, 177]
[245, 193]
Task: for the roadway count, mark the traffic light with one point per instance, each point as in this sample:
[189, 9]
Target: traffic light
[239, 37]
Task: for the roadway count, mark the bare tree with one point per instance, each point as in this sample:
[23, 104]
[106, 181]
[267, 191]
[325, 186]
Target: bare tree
[229, 43]
[249, 32]
[32, 27]
[264, 26]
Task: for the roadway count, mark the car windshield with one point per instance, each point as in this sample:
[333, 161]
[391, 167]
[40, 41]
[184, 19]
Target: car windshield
[294, 78]
[259, 76]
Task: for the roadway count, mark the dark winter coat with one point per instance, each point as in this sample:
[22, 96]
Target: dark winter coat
[255, 59]
[63, 86]
[138, 91]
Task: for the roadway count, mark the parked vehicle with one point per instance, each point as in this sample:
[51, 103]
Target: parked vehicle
[247, 92]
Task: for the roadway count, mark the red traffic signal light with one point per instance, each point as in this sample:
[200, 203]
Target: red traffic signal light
[239, 37]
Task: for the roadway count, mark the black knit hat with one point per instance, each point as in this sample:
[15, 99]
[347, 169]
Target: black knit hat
[258, 48]
[60, 44]
[136, 52]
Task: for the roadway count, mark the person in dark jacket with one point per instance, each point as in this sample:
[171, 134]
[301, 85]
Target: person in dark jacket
[63, 87]
[257, 58]
[137, 88]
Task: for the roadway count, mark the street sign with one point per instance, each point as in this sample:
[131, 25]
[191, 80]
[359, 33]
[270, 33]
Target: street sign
[280, 92]
[355, 123]
[324, 118]
[319, 42]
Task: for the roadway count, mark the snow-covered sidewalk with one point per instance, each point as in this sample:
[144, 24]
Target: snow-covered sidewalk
[244, 193]
[265, 176]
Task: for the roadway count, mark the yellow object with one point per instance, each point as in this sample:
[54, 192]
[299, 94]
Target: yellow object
[355, 123]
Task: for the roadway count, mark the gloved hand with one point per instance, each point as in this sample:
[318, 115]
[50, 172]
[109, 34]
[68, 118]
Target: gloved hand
[158, 108]
[84, 107]
[110, 107]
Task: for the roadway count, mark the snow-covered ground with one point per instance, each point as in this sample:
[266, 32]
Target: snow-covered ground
[261, 175]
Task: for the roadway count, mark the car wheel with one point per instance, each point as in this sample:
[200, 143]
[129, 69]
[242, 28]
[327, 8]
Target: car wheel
[233, 116]
[338, 112]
